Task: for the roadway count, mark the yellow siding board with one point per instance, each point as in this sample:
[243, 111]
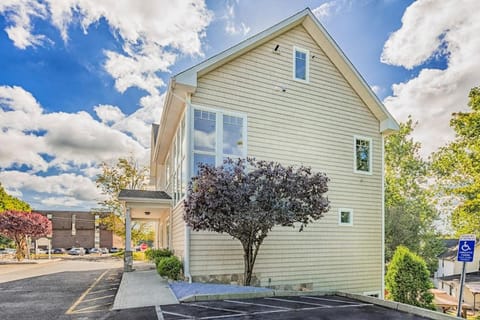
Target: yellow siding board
[312, 124]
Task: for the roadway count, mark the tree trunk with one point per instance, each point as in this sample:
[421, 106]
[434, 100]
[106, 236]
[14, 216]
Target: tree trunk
[250, 251]
[21, 244]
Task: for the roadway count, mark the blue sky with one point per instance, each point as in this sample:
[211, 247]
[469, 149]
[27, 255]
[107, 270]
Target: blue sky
[81, 81]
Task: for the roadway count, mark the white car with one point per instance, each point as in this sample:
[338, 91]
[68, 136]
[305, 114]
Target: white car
[76, 251]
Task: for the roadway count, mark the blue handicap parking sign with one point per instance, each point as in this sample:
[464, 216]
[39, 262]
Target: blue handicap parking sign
[466, 248]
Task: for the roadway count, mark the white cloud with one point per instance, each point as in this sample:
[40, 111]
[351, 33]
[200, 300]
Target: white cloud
[376, 89]
[431, 30]
[231, 27]
[109, 114]
[71, 138]
[331, 8]
[324, 10]
[18, 15]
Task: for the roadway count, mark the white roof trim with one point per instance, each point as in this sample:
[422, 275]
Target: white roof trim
[387, 123]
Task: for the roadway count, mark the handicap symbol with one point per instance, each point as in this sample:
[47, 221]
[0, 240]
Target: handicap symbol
[465, 247]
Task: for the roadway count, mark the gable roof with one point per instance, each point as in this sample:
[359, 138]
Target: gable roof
[186, 81]
[451, 250]
[189, 77]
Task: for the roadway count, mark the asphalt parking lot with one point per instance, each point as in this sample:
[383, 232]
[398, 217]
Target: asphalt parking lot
[282, 308]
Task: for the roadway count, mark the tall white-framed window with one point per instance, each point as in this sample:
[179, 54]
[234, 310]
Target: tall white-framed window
[362, 150]
[217, 134]
[345, 217]
[175, 168]
[301, 64]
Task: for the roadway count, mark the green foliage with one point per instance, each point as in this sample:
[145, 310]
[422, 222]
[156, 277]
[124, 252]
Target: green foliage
[170, 267]
[457, 167]
[125, 174]
[409, 205]
[153, 254]
[408, 281]
[8, 202]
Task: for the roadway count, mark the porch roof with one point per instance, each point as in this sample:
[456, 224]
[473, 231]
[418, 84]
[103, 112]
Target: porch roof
[143, 195]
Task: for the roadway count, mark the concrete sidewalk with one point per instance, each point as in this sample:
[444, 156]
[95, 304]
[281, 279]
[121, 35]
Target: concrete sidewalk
[143, 288]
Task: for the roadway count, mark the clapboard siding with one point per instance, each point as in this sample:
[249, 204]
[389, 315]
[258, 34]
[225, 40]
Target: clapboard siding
[178, 230]
[311, 124]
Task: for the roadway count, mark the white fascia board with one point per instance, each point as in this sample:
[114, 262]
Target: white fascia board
[389, 126]
[189, 77]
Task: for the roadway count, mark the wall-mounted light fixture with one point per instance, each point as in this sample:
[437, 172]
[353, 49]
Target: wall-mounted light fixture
[147, 213]
[275, 50]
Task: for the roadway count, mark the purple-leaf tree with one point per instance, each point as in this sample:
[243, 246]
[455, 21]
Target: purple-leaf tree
[247, 198]
[18, 225]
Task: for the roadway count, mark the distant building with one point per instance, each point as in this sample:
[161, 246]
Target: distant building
[79, 229]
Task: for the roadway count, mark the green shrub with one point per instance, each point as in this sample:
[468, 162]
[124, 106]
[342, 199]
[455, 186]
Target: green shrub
[169, 267]
[154, 254]
[408, 281]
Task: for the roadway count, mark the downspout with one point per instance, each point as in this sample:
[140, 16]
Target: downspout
[188, 159]
[382, 294]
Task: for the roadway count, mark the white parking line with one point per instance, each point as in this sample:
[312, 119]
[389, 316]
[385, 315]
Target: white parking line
[325, 299]
[99, 298]
[158, 310]
[301, 302]
[177, 314]
[258, 304]
[215, 308]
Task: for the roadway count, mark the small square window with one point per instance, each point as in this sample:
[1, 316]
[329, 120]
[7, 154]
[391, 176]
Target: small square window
[300, 64]
[363, 155]
[345, 217]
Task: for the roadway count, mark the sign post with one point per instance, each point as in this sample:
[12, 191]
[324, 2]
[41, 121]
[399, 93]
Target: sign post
[466, 249]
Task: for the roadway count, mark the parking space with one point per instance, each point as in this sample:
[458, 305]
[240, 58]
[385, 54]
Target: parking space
[298, 307]
[99, 297]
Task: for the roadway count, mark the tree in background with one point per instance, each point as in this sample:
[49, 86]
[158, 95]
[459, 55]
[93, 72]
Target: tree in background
[125, 174]
[248, 203]
[18, 225]
[409, 206]
[8, 202]
[407, 280]
[457, 166]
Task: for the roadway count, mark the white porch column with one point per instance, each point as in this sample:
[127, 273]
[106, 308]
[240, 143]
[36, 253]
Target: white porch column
[128, 259]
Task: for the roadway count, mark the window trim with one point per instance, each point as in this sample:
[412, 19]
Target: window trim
[219, 113]
[307, 64]
[370, 153]
[340, 223]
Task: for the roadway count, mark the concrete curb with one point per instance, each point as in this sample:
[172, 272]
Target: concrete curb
[430, 314]
[223, 296]
[42, 261]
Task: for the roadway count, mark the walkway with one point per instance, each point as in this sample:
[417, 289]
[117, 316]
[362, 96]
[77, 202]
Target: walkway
[143, 288]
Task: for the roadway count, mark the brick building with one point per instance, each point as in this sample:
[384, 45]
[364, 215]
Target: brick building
[79, 229]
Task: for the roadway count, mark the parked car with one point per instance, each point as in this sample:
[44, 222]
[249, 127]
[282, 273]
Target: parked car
[40, 251]
[114, 250]
[76, 251]
[59, 251]
[94, 250]
[7, 251]
[104, 250]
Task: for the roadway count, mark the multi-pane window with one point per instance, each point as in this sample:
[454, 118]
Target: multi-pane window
[363, 155]
[301, 64]
[345, 217]
[204, 138]
[175, 168]
[217, 135]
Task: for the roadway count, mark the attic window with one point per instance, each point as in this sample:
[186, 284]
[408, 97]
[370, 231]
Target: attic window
[301, 64]
[363, 155]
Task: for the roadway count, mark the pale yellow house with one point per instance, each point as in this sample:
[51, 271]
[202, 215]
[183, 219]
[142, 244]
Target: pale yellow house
[287, 94]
